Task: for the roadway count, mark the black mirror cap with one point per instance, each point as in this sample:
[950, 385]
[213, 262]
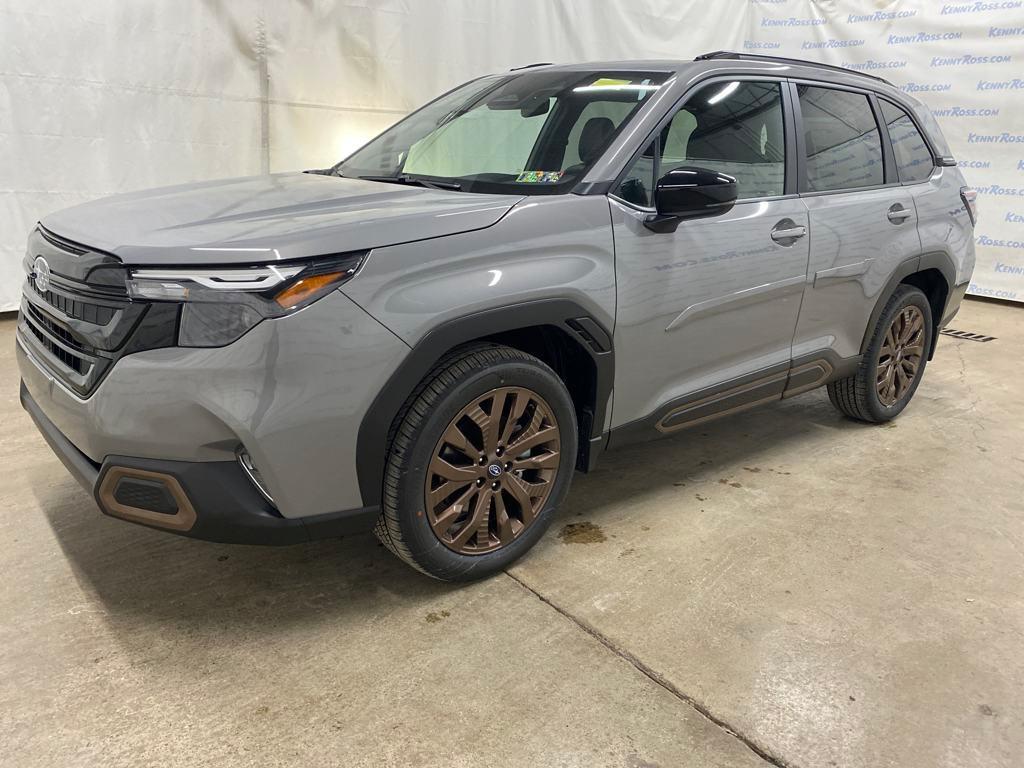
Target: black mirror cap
[689, 192]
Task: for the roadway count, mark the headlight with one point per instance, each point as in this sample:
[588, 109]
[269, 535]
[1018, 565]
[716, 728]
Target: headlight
[221, 304]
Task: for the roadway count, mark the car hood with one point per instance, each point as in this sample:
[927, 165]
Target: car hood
[275, 217]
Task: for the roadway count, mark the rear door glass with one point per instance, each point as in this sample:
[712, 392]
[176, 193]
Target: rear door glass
[843, 144]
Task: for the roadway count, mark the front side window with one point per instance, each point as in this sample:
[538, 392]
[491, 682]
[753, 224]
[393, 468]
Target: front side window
[734, 128]
[844, 147]
[637, 186]
[524, 133]
[913, 157]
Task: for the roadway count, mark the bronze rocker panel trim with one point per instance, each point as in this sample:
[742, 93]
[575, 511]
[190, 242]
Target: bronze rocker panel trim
[773, 386]
[721, 403]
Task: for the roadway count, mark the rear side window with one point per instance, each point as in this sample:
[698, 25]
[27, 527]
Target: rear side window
[913, 158]
[844, 147]
[729, 127]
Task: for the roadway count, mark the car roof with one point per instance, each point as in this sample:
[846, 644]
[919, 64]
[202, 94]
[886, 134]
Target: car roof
[729, 62]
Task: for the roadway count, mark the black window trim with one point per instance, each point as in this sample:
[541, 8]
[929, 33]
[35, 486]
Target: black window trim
[890, 173]
[924, 137]
[788, 128]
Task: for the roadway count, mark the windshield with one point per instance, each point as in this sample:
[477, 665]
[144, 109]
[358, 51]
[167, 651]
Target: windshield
[524, 133]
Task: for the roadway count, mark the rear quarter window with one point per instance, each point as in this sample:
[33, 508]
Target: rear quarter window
[913, 157]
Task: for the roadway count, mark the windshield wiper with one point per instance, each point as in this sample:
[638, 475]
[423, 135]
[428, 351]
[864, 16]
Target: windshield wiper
[416, 181]
[324, 171]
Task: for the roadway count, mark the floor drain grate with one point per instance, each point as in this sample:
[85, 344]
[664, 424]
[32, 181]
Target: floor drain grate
[967, 335]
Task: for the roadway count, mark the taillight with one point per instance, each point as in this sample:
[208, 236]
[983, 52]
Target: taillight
[970, 198]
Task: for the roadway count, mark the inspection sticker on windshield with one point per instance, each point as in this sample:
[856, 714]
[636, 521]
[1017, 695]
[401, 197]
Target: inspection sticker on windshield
[539, 177]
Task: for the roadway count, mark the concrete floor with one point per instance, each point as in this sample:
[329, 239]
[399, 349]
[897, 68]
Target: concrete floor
[781, 587]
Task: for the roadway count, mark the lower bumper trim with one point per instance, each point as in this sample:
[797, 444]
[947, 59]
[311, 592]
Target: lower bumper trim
[226, 506]
[77, 463]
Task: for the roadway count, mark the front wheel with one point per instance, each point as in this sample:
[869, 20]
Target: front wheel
[481, 457]
[893, 363]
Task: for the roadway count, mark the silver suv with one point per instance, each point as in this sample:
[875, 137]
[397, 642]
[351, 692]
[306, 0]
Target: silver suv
[430, 337]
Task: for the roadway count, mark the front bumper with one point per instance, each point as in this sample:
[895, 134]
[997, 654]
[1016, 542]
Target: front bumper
[291, 393]
[211, 500]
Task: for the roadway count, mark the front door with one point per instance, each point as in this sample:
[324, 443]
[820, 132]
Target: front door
[706, 314]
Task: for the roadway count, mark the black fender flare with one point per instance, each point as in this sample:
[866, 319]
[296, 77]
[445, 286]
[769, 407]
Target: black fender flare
[933, 260]
[565, 314]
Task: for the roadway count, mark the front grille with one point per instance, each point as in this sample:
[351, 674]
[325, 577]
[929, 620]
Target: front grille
[81, 323]
[84, 321]
[76, 308]
[63, 356]
[39, 318]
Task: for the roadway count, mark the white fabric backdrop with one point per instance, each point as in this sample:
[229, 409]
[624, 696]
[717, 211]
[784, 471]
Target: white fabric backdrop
[110, 95]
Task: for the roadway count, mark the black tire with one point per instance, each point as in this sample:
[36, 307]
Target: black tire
[856, 396]
[458, 379]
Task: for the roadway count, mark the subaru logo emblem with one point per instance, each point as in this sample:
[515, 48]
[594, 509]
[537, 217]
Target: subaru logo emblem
[494, 470]
[41, 274]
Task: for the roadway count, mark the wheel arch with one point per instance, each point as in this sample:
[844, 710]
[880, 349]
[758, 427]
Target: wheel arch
[934, 273]
[558, 331]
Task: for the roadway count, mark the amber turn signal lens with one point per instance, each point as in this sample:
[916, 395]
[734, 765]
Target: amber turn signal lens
[307, 287]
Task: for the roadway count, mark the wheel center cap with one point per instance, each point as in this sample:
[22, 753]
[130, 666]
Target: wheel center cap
[494, 470]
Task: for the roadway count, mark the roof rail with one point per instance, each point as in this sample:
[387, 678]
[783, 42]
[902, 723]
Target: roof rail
[530, 66]
[783, 60]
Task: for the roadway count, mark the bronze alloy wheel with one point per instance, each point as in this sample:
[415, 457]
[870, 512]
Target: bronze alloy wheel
[492, 470]
[900, 357]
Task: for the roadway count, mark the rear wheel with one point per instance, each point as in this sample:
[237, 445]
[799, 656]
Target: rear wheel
[480, 458]
[893, 363]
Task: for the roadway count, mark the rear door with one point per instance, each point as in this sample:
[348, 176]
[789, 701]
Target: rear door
[934, 188]
[705, 314]
[863, 223]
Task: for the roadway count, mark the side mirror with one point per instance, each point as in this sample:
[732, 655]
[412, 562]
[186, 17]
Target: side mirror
[690, 193]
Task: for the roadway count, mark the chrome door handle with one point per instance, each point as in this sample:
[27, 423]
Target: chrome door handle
[788, 234]
[898, 214]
